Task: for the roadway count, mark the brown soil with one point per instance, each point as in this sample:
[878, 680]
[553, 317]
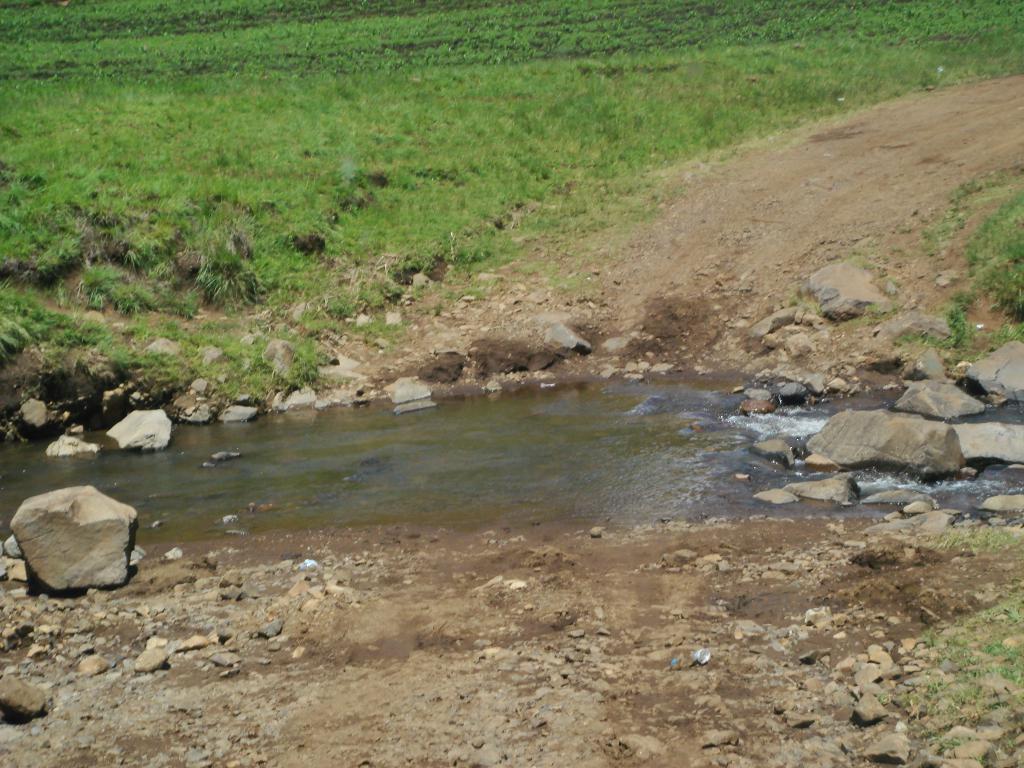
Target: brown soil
[545, 647]
[746, 231]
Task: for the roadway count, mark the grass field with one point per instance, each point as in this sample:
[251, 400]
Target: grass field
[239, 157]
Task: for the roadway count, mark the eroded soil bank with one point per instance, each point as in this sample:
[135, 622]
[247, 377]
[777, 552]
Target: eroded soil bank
[546, 646]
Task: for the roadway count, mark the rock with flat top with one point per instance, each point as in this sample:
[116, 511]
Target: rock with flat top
[938, 400]
[238, 414]
[772, 323]
[776, 496]
[67, 446]
[775, 450]
[75, 538]
[991, 443]
[839, 489]
[914, 323]
[845, 291]
[1001, 373]
[142, 431]
[1010, 503]
[889, 442]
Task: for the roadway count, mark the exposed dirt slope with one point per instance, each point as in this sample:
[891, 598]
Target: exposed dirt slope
[747, 231]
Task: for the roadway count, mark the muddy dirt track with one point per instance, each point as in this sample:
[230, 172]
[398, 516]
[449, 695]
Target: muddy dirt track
[746, 231]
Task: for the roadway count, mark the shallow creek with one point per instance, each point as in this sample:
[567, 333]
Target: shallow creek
[615, 454]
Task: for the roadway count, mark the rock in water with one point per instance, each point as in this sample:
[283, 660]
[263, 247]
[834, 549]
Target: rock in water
[238, 414]
[777, 451]
[1002, 372]
[839, 489]
[1014, 503]
[75, 538]
[67, 446]
[142, 431]
[20, 701]
[991, 443]
[776, 496]
[938, 400]
[886, 441]
[844, 291]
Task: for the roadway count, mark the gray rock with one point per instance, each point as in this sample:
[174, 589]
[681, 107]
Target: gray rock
[415, 405]
[237, 414]
[869, 711]
[201, 414]
[991, 443]
[408, 389]
[892, 749]
[899, 496]
[75, 538]
[11, 548]
[1013, 503]
[914, 323]
[615, 344]
[938, 400]
[300, 400]
[280, 354]
[142, 431]
[1002, 372]
[773, 322]
[21, 701]
[271, 629]
[211, 355]
[774, 450]
[34, 414]
[199, 386]
[886, 441]
[163, 347]
[928, 366]
[844, 291]
[679, 557]
[566, 338]
[776, 496]
[839, 489]
[927, 524]
[791, 393]
[67, 446]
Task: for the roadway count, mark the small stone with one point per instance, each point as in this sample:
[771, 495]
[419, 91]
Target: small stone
[596, 532]
[225, 659]
[776, 496]
[892, 749]
[868, 711]
[175, 553]
[93, 665]
[150, 660]
[271, 629]
[194, 643]
[719, 738]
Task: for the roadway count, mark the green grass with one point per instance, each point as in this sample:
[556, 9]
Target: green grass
[996, 257]
[160, 157]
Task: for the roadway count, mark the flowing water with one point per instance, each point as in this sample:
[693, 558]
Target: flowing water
[618, 454]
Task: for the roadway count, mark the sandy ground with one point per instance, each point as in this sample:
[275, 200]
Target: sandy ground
[542, 647]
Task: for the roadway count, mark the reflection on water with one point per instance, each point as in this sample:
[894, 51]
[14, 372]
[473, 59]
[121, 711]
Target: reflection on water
[622, 454]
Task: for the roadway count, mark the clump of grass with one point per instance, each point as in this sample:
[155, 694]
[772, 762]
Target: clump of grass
[106, 286]
[961, 332]
[996, 257]
[225, 278]
[13, 338]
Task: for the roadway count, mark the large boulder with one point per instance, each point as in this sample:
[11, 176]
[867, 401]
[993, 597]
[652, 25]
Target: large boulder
[142, 431]
[887, 441]
[1002, 372]
[991, 443]
[75, 538]
[939, 400]
[844, 291]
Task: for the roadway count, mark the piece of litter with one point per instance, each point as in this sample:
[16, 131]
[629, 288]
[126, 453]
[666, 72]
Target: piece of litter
[674, 664]
[308, 565]
[701, 656]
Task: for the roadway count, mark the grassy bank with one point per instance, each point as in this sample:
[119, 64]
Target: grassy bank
[226, 161]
